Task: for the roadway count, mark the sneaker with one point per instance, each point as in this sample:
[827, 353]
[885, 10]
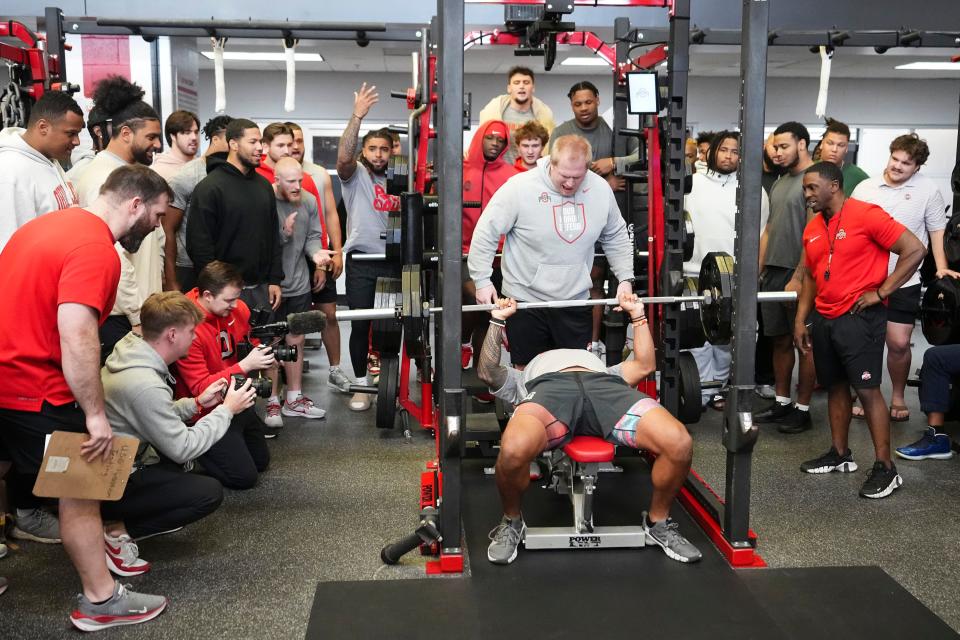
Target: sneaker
[765, 391]
[373, 364]
[273, 419]
[123, 556]
[339, 380]
[505, 539]
[796, 421]
[124, 607]
[774, 413]
[360, 402]
[666, 535]
[484, 397]
[598, 349]
[466, 356]
[37, 525]
[830, 461]
[932, 446]
[881, 481]
[303, 407]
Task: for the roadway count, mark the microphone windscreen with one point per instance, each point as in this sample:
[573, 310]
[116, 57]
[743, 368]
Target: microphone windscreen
[300, 324]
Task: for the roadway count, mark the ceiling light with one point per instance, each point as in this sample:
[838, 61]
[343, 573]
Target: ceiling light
[264, 56]
[930, 66]
[585, 62]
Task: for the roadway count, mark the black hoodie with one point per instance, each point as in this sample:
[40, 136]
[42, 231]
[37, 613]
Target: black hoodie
[233, 218]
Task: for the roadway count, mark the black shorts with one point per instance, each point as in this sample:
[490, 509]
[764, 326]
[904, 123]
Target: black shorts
[778, 317]
[533, 331]
[328, 294]
[592, 404]
[849, 348]
[293, 304]
[23, 433]
[904, 305]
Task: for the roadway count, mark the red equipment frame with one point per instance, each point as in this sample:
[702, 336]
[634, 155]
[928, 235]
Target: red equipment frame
[31, 57]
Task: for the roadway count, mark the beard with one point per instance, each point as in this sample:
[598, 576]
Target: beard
[133, 238]
[372, 168]
[248, 163]
[143, 156]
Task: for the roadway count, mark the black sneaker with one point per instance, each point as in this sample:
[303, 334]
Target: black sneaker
[881, 481]
[830, 461]
[774, 413]
[796, 421]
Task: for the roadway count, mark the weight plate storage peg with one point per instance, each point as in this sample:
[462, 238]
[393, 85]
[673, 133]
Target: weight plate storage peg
[716, 286]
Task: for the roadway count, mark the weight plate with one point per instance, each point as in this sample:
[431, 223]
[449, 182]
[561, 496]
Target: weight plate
[691, 328]
[415, 324]
[688, 236]
[387, 333]
[387, 392]
[690, 406]
[716, 285]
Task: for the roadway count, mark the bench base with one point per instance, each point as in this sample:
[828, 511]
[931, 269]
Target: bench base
[570, 538]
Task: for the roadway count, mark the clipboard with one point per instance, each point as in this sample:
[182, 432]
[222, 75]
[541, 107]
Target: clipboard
[65, 474]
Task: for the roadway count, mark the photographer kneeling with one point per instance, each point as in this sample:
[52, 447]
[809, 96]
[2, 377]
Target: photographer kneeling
[237, 458]
[160, 496]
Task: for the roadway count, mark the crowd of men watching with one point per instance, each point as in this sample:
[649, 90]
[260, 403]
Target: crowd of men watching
[145, 270]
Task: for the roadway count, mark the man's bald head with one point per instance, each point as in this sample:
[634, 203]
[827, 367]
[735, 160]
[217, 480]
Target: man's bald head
[288, 179]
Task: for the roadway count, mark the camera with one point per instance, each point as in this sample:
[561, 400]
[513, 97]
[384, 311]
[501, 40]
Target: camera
[282, 352]
[296, 323]
[261, 386]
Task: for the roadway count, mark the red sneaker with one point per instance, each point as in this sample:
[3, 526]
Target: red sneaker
[123, 556]
[484, 397]
[466, 356]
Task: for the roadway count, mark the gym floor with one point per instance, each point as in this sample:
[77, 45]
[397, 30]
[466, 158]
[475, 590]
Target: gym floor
[338, 489]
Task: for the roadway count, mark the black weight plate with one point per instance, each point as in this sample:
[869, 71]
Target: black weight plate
[940, 312]
[415, 324]
[716, 281]
[690, 407]
[688, 236]
[387, 333]
[387, 392]
[691, 328]
[394, 248]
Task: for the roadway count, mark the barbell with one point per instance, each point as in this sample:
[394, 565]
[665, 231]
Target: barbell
[435, 257]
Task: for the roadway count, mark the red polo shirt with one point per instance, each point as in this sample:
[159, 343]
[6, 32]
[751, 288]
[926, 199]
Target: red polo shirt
[307, 184]
[62, 257]
[862, 234]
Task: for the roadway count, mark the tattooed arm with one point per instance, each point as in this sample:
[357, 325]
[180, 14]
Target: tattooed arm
[347, 149]
[489, 368]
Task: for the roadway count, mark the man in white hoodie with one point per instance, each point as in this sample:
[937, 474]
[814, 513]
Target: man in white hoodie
[160, 496]
[32, 182]
[551, 216]
[712, 204]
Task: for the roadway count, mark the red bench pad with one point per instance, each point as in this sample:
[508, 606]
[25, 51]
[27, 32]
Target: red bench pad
[589, 449]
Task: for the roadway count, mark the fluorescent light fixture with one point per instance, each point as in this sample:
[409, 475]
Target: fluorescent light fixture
[264, 56]
[930, 66]
[591, 61]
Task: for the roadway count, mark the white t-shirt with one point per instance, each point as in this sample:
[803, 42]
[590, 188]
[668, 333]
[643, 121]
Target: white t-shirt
[916, 204]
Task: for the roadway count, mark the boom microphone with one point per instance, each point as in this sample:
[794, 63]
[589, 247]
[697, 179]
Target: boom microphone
[307, 322]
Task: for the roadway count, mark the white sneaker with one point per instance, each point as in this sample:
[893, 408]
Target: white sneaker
[123, 556]
[303, 407]
[360, 402]
[273, 419]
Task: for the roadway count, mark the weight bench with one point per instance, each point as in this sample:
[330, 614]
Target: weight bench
[574, 471]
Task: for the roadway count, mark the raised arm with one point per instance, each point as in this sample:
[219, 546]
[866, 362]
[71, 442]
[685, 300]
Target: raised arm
[347, 149]
[644, 354]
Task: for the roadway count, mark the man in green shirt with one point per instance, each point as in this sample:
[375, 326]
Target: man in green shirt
[833, 148]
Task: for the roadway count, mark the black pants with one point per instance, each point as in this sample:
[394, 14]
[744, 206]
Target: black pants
[240, 454]
[763, 357]
[111, 332]
[162, 497]
[361, 283]
[186, 278]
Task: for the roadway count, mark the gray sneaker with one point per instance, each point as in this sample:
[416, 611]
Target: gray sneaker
[667, 536]
[124, 607]
[505, 539]
[339, 380]
[37, 525]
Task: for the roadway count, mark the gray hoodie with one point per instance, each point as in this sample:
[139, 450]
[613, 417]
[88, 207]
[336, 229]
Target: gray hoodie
[139, 401]
[30, 184]
[549, 237]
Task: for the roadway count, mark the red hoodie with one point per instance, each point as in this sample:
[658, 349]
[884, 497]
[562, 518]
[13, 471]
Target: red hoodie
[307, 185]
[481, 179]
[213, 354]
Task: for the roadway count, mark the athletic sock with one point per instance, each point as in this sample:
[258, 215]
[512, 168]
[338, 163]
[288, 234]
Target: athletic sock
[363, 381]
[803, 407]
[783, 400]
[273, 400]
[334, 367]
[293, 395]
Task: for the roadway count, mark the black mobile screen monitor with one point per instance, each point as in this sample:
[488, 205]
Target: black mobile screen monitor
[643, 95]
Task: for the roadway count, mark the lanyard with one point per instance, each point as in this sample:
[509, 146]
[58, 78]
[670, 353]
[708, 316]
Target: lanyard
[831, 240]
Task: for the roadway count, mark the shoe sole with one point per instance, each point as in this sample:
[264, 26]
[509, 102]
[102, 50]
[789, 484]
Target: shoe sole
[294, 414]
[926, 456]
[123, 573]
[508, 561]
[843, 467]
[895, 484]
[670, 553]
[20, 534]
[85, 623]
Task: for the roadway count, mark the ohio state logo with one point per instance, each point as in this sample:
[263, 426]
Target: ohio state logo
[570, 221]
[544, 197]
